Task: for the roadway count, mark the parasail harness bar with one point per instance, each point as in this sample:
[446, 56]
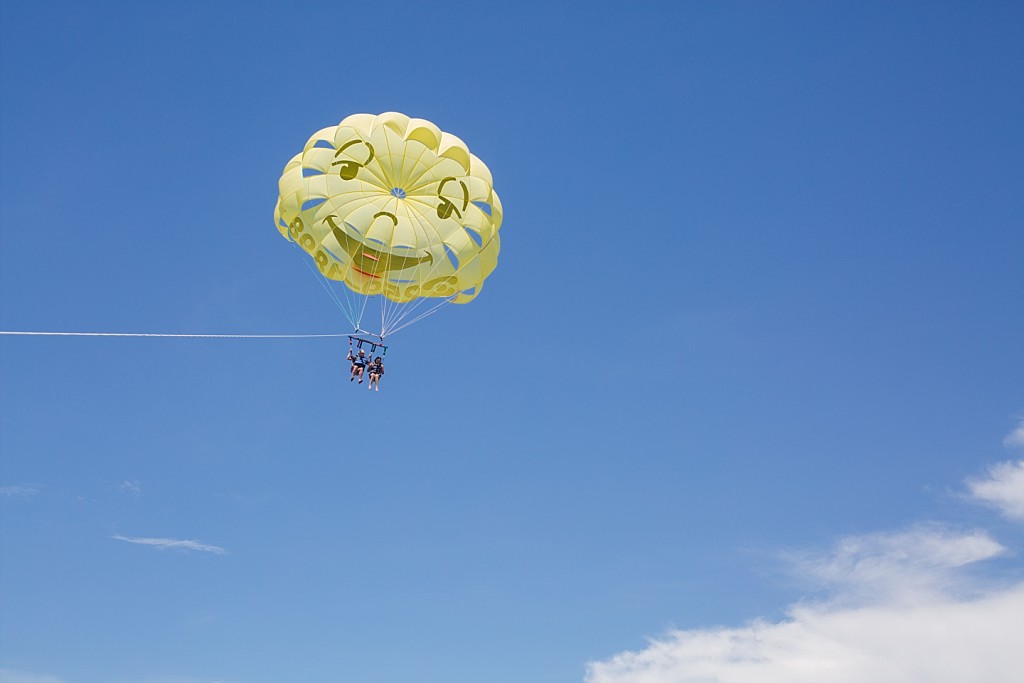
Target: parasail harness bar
[357, 342]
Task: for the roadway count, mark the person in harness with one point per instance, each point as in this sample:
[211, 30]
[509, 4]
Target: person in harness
[359, 361]
[376, 371]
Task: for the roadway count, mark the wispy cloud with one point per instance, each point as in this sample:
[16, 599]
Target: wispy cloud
[132, 487]
[19, 491]
[1016, 437]
[903, 566]
[173, 544]
[11, 676]
[901, 606]
[1002, 488]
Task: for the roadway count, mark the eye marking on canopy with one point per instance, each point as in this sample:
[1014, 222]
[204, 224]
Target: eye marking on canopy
[349, 167]
[446, 207]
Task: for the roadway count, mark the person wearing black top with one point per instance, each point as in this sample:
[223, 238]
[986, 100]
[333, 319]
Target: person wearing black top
[376, 370]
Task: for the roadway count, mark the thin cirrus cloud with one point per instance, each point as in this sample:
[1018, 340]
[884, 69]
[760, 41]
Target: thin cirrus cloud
[12, 676]
[1002, 488]
[909, 605]
[902, 567]
[24, 491]
[1016, 437]
[173, 544]
[132, 487]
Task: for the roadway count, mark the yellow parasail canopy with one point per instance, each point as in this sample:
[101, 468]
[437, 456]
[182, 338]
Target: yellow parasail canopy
[394, 206]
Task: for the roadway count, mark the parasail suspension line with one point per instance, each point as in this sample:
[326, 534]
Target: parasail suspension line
[153, 334]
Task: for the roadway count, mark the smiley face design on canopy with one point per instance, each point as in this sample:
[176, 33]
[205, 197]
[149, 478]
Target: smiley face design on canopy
[373, 262]
[392, 205]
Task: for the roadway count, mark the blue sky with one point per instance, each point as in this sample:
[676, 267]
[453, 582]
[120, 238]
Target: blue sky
[756, 326]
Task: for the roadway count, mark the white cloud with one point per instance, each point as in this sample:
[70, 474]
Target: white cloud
[11, 676]
[1016, 437]
[902, 606]
[19, 491]
[1002, 489]
[945, 641]
[173, 544]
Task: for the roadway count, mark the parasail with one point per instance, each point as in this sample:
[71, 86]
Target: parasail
[395, 212]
